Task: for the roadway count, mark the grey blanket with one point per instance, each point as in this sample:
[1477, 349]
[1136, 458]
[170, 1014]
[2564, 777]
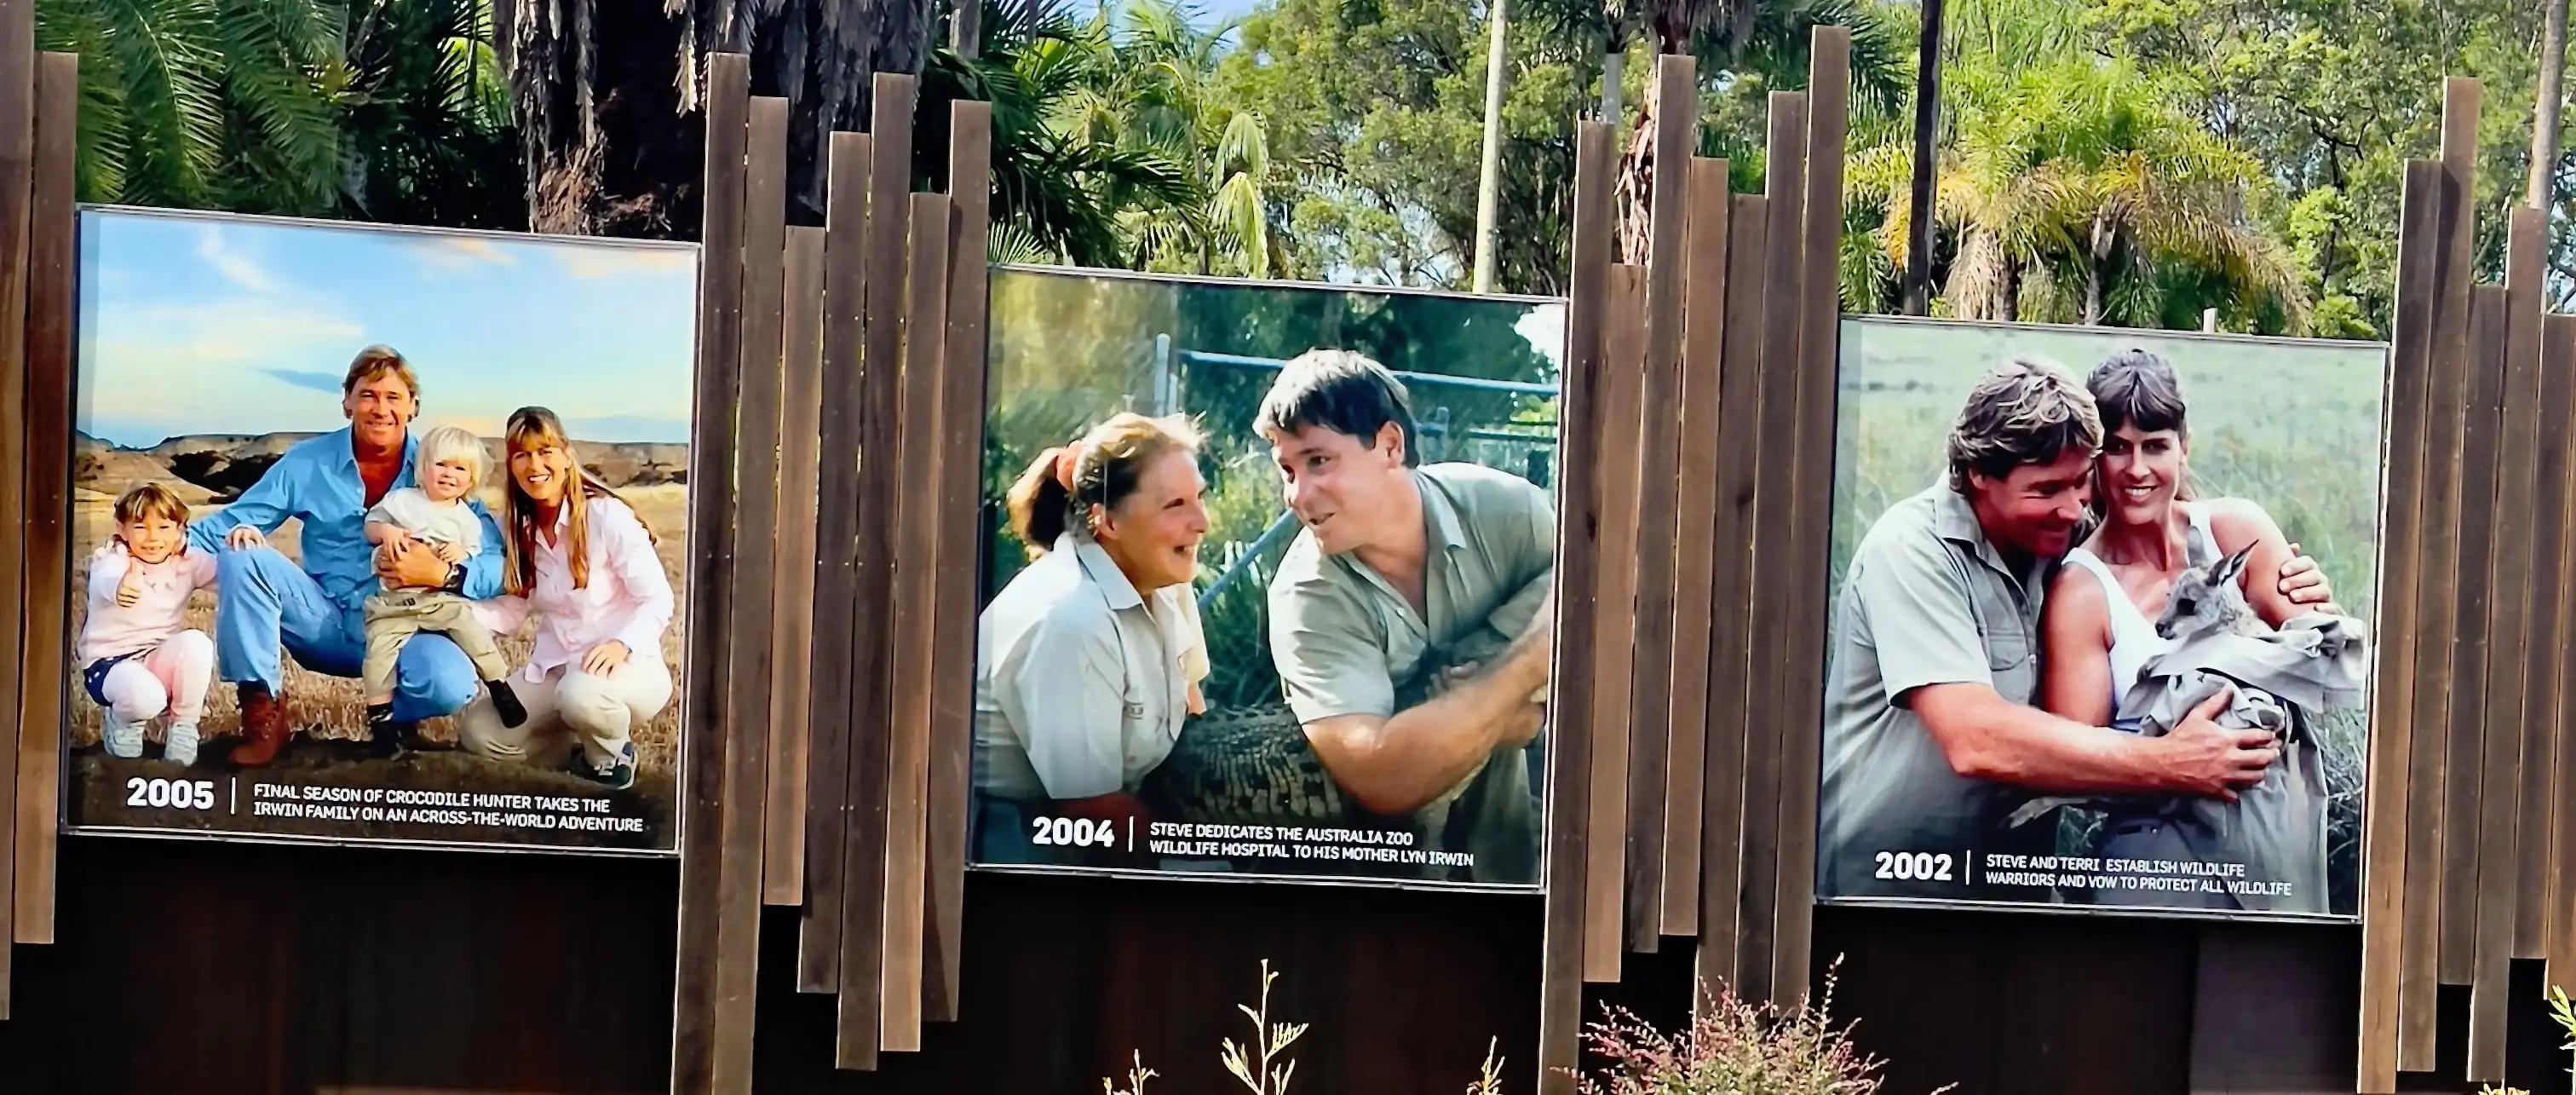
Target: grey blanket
[2275, 831]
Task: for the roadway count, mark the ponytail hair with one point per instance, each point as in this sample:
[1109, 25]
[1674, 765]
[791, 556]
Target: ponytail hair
[1056, 492]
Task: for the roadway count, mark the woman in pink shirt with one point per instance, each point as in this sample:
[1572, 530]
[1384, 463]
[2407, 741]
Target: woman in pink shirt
[136, 661]
[582, 565]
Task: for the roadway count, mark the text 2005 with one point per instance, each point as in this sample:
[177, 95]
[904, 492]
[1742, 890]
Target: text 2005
[171, 794]
[1072, 832]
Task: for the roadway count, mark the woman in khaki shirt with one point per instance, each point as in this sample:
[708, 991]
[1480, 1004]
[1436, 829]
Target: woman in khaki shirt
[1088, 662]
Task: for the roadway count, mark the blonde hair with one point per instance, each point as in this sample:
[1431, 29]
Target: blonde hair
[446, 444]
[151, 500]
[530, 426]
[1101, 468]
[2024, 411]
[376, 361]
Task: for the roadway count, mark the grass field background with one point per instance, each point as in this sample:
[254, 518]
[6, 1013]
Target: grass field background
[2292, 425]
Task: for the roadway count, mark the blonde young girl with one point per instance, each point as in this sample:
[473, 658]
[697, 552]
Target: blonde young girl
[583, 564]
[448, 467]
[136, 661]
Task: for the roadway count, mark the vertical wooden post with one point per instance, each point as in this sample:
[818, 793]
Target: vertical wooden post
[2515, 374]
[970, 168]
[2534, 467]
[2465, 901]
[1811, 508]
[863, 845]
[753, 596]
[1651, 732]
[1785, 192]
[2446, 356]
[50, 278]
[1730, 684]
[792, 637]
[917, 494]
[1615, 609]
[1695, 581]
[2386, 800]
[1578, 545]
[705, 709]
[2560, 486]
[836, 544]
[17, 168]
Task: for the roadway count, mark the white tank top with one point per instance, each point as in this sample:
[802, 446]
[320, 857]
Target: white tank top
[2133, 636]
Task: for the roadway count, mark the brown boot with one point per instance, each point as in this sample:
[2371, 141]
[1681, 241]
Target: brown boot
[263, 721]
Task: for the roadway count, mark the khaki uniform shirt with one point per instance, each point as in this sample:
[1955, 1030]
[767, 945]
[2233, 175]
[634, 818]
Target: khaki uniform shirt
[1348, 643]
[1926, 600]
[1082, 683]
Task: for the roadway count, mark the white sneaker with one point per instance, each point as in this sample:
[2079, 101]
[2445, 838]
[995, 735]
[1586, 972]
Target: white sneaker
[123, 739]
[181, 749]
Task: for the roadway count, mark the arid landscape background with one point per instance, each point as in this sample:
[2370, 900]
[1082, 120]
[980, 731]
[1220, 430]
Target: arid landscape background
[208, 472]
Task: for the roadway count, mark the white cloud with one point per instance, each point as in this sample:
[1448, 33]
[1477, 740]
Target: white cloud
[453, 253]
[607, 262]
[153, 342]
[1544, 327]
[235, 267]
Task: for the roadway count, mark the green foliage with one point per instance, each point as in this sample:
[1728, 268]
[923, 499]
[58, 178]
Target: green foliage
[1113, 144]
[338, 108]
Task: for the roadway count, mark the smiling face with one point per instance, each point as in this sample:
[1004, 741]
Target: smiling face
[1154, 532]
[542, 468]
[2141, 472]
[447, 480]
[380, 409]
[150, 537]
[1340, 486]
[2034, 509]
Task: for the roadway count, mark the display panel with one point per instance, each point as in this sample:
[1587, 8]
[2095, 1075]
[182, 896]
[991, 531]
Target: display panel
[377, 534]
[1267, 584]
[2099, 633]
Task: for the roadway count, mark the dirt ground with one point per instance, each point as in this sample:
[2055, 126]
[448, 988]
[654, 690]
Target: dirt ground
[331, 707]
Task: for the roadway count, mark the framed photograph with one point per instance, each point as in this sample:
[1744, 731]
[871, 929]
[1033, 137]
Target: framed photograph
[377, 534]
[2101, 620]
[1267, 581]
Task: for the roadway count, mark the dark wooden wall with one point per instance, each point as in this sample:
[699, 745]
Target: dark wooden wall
[301, 969]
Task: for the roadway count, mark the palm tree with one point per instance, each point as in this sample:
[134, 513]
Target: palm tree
[2075, 187]
[311, 107]
[1112, 145]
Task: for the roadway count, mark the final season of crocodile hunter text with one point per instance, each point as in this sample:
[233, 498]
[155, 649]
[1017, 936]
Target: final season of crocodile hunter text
[376, 534]
[1270, 580]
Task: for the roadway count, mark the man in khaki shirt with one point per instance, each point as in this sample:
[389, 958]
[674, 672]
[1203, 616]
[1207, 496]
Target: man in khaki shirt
[1930, 736]
[1411, 618]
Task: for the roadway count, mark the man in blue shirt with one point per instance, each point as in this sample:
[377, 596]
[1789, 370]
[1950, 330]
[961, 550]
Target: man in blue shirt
[264, 600]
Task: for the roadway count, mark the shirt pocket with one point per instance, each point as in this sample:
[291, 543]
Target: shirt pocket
[2010, 650]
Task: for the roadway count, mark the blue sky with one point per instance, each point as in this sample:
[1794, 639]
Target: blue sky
[211, 325]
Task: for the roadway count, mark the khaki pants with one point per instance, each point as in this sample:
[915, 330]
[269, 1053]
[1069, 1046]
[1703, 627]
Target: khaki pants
[394, 616]
[570, 706]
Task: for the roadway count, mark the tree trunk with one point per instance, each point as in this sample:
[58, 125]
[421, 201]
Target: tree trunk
[2010, 305]
[2097, 263]
[606, 98]
[1489, 180]
[1637, 183]
[2545, 110]
[1614, 67]
[1921, 194]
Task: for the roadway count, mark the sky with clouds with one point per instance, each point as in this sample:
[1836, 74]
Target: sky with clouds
[193, 324]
